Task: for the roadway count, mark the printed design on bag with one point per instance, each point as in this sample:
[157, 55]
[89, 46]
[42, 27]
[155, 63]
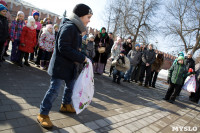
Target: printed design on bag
[86, 66]
[80, 93]
[81, 105]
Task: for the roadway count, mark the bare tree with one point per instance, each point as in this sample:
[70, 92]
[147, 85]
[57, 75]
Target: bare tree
[183, 23]
[132, 17]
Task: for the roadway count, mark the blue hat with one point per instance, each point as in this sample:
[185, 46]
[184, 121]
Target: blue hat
[137, 45]
[181, 54]
[36, 13]
[2, 7]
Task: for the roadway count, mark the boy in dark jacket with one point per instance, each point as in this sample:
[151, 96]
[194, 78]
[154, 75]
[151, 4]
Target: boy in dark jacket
[148, 59]
[3, 29]
[135, 57]
[63, 64]
[176, 76]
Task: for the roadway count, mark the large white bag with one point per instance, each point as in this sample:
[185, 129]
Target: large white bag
[83, 90]
[190, 84]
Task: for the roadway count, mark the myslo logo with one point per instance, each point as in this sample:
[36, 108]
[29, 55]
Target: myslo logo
[185, 128]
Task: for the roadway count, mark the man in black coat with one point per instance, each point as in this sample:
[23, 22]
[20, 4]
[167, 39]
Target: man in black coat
[64, 61]
[3, 29]
[148, 58]
[127, 46]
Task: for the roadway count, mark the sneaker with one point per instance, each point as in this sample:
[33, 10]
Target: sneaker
[128, 81]
[44, 121]
[67, 108]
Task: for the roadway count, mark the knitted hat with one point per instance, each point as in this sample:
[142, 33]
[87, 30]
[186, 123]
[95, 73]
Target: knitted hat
[36, 13]
[20, 12]
[3, 2]
[180, 54]
[190, 53]
[129, 37]
[49, 26]
[180, 58]
[137, 45]
[119, 38]
[55, 25]
[31, 19]
[91, 36]
[123, 52]
[82, 10]
[2, 7]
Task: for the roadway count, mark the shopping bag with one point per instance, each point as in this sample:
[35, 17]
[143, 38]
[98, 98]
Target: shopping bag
[83, 90]
[190, 84]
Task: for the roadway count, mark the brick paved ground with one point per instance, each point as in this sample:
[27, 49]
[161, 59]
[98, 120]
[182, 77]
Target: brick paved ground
[115, 108]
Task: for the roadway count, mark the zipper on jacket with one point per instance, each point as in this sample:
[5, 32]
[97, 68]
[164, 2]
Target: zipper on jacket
[177, 73]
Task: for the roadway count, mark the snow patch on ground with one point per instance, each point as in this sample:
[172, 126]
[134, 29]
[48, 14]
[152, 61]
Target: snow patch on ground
[163, 74]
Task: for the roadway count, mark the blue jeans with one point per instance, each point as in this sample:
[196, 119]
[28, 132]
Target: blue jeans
[116, 73]
[128, 73]
[52, 94]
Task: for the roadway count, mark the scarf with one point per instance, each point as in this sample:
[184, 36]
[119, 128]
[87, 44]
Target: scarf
[77, 21]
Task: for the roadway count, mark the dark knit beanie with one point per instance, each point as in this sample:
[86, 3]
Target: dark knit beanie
[82, 10]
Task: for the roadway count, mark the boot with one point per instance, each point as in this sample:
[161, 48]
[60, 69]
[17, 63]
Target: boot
[67, 108]
[42, 64]
[47, 65]
[44, 121]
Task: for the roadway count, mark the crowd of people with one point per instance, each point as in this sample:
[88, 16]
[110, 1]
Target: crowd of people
[58, 49]
[30, 38]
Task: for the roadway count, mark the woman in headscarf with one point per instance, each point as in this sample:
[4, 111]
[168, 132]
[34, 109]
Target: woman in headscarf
[101, 43]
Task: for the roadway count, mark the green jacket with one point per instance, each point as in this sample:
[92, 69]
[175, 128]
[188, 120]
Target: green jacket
[177, 73]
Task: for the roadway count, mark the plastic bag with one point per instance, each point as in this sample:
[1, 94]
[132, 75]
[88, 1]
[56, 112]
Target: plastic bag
[190, 84]
[83, 90]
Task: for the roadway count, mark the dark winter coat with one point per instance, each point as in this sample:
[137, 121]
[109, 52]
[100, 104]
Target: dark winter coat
[66, 52]
[148, 56]
[3, 29]
[111, 42]
[105, 43]
[177, 73]
[90, 50]
[127, 47]
[134, 57]
[190, 63]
